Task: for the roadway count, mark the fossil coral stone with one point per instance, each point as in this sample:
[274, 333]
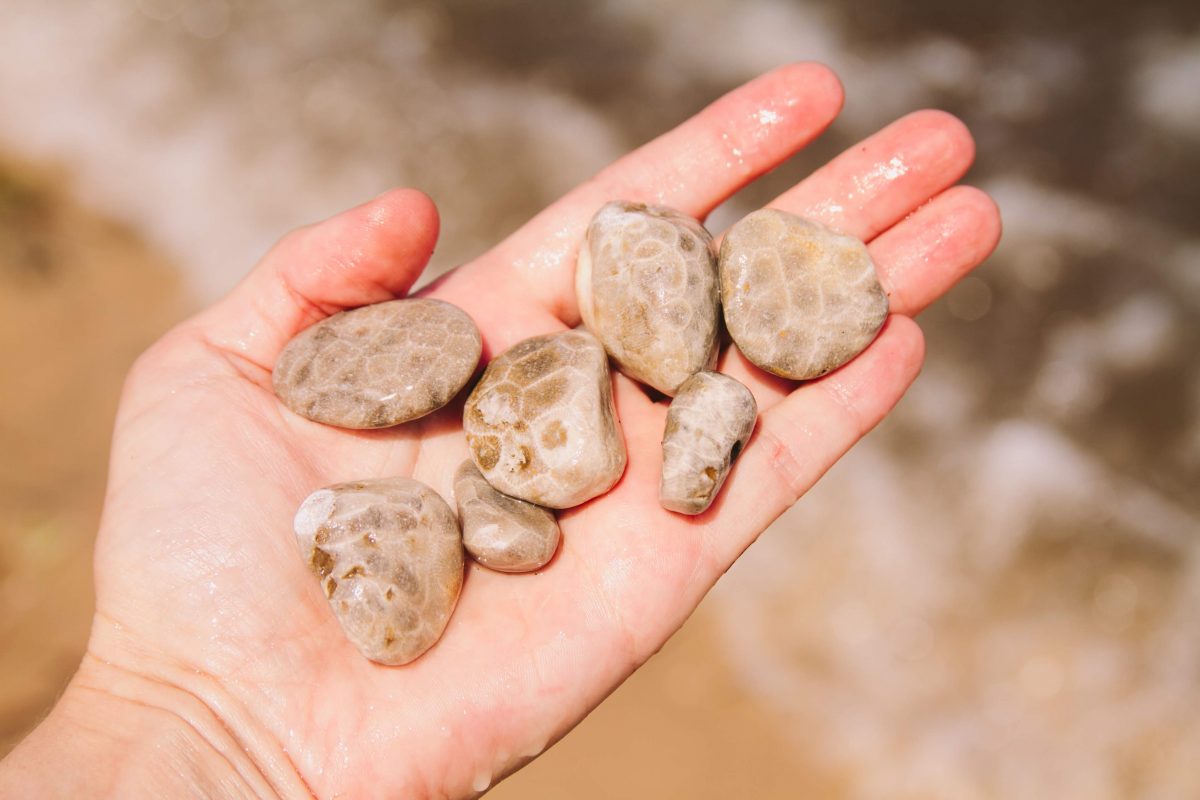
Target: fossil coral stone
[708, 424]
[499, 531]
[646, 281]
[800, 299]
[389, 556]
[541, 425]
[379, 365]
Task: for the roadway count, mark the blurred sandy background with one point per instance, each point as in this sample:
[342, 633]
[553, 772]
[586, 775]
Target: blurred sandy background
[994, 596]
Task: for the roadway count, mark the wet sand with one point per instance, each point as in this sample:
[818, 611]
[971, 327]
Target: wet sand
[80, 298]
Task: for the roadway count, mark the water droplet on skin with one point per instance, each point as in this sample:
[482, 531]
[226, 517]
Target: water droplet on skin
[826, 211]
[481, 782]
[536, 750]
[881, 173]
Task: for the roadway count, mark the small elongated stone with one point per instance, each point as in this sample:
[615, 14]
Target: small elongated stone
[541, 425]
[502, 532]
[800, 299]
[379, 365]
[389, 556]
[646, 281]
[708, 424]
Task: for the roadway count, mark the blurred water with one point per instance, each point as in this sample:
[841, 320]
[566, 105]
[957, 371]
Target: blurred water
[991, 597]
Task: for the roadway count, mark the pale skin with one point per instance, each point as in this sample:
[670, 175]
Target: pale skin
[215, 667]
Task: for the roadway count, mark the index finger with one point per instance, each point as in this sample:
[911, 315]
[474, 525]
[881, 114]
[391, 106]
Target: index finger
[694, 168]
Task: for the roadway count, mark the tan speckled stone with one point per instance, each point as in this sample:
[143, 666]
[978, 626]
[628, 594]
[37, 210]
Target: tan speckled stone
[389, 556]
[646, 282]
[378, 365]
[502, 532]
[541, 424]
[800, 299]
[708, 424]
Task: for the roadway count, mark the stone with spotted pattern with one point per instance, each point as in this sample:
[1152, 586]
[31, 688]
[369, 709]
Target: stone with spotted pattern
[389, 557]
[541, 425]
[800, 299]
[501, 532]
[709, 422]
[646, 281]
[379, 365]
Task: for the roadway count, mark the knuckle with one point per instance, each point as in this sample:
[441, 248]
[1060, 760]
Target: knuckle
[785, 456]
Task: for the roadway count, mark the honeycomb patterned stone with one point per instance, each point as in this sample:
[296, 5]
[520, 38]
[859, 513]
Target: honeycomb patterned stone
[389, 557]
[501, 532]
[379, 365]
[708, 424]
[541, 425]
[800, 299]
[646, 281]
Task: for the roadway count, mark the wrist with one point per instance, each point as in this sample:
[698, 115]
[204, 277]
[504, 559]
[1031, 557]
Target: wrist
[116, 734]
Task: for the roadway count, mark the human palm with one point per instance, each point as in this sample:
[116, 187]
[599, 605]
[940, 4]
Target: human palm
[200, 584]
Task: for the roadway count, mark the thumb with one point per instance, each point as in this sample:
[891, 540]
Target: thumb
[368, 254]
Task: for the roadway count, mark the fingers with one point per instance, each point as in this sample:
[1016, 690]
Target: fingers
[919, 259]
[694, 168]
[873, 187]
[800, 438]
[369, 254]
[880, 180]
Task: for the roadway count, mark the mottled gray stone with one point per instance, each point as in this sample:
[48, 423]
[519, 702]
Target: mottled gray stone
[378, 365]
[708, 424]
[646, 282]
[541, 424]
[502, 532]
[800, 299]
[389, 556]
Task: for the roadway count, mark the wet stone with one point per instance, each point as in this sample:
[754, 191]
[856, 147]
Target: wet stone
[800, 299]
[708, 424]
[541, 425]
[389, 558]
[379, 365]
[646, 282]
[502, 532]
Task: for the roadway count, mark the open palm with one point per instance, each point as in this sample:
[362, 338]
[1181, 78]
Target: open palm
[204, 602]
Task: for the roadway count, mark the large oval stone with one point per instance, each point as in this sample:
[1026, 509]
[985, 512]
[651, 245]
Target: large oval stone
[379, 365]
[501, 532]
[646, 282]
[389, 556]
[800, 299]
[708, 424]
[541, 425]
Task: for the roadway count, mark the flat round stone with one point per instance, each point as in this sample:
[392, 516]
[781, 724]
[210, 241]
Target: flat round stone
[502, 532]
[708, 424]
[800, 299]
[379, 365]
[541, 425]
[389, 556]
[646, 281]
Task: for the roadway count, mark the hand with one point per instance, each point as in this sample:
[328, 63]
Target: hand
[211, 635]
